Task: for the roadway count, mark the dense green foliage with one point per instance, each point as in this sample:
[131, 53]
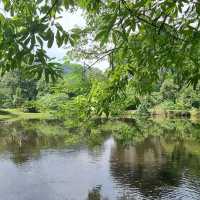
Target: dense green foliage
[15, 89]
[144, 33]
[81, 94]
[66, 99]
[152, 46]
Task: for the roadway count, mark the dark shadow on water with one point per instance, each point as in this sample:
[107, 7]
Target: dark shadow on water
[150, 167]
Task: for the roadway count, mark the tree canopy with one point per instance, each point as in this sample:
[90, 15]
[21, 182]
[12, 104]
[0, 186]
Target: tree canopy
[144, 39]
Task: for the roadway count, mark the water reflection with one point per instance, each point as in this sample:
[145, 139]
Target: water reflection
[157, 165]
[24, 140]
[144, 167]
[141, 160]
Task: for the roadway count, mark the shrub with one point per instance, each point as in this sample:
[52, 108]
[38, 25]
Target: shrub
[31, 107]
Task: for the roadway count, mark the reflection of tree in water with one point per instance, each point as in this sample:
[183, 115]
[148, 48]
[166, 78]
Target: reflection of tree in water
[149, 166]
[138, 166]
[23, 147]
[24, 140]
[95, 194]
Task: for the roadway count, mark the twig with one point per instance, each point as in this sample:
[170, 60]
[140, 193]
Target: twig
[50, 10]
[148, 22]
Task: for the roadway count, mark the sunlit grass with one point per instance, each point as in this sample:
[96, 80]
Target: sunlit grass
[17, 114]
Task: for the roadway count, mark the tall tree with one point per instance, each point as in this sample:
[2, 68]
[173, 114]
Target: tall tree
[141, 37]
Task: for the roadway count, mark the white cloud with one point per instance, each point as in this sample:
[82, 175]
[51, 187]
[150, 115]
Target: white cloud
[68, 21]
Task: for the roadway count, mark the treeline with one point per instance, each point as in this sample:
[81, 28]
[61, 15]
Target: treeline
[82, 93]
[32, 95]
[170, 96]
[141, 48]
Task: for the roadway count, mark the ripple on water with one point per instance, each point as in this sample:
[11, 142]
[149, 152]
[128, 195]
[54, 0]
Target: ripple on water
[154, 168]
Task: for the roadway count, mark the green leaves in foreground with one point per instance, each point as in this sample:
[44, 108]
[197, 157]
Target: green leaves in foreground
[26, 29]
[145, 41]
[50, 71]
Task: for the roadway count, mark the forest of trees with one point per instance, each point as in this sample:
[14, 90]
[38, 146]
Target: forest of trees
[152, 47]
[78, 94]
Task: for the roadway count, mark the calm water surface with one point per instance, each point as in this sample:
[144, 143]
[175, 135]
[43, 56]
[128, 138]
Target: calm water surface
[37, 162]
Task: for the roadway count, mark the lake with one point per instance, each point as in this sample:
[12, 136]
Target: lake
[114, 160]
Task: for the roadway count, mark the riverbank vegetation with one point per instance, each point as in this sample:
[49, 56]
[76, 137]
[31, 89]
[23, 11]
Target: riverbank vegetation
[152, 48]
[80, 95]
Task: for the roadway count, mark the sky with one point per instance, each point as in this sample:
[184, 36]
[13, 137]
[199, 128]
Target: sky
[68, 21]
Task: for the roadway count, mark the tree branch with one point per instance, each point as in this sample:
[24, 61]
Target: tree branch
[105, 53]
[50, 10]
[149, 22]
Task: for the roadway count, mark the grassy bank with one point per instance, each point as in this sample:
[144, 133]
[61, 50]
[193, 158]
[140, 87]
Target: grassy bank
[17, 114]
